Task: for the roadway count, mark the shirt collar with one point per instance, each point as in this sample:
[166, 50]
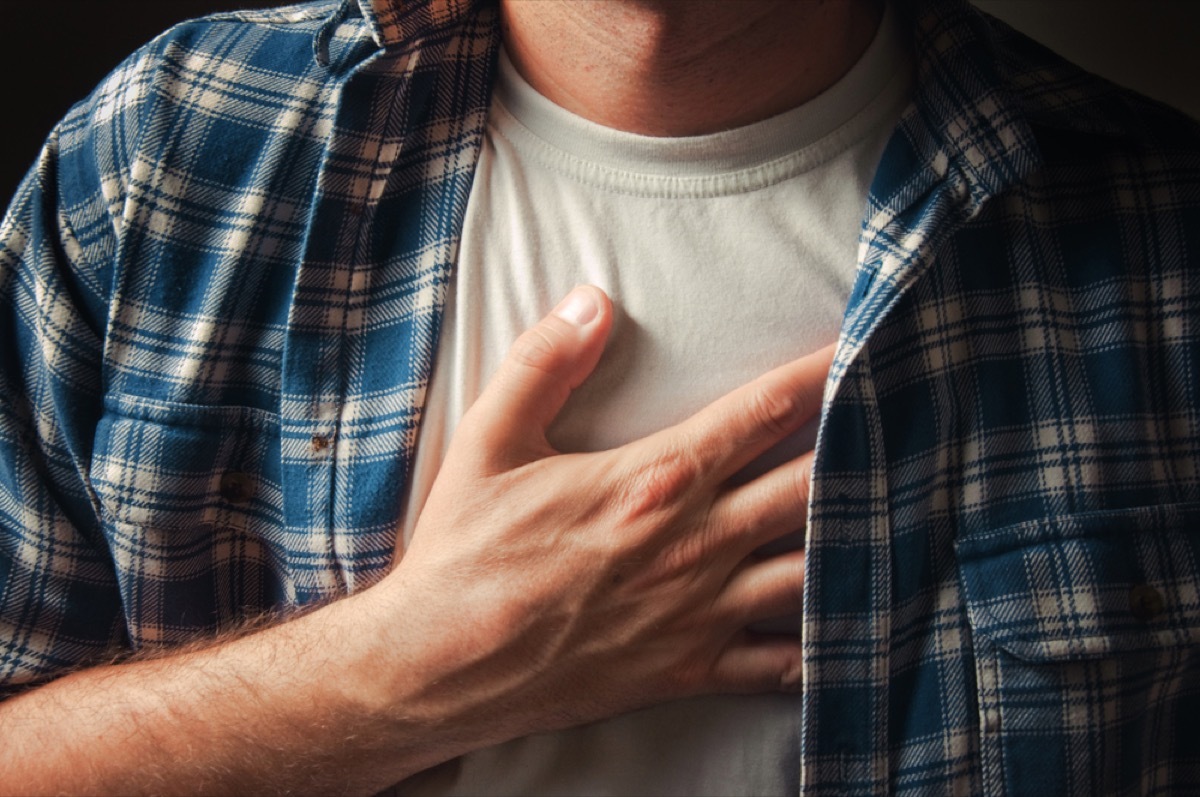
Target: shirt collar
[974, 123]
[982, 90]
[396, 22]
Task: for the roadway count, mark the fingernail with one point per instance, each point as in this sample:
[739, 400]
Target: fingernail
[578, 308]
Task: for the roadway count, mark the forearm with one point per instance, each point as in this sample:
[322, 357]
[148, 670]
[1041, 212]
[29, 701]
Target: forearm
[300, 707]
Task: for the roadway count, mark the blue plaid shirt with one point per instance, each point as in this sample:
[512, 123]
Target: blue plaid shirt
[220, 294]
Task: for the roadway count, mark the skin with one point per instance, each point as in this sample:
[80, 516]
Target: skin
[685, 67]
[585, 585]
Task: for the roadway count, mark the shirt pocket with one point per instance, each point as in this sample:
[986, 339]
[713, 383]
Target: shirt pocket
[191, 506]
[1086, 636]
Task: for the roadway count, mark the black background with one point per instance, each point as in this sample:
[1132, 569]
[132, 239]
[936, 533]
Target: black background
[54, 52]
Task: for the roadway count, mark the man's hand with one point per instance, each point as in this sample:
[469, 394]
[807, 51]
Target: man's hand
[541, 590]
[555, 589]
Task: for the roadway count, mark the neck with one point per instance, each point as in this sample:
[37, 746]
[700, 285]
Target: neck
[684, 67]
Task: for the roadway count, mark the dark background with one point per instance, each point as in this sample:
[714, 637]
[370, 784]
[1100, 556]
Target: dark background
[55, 51]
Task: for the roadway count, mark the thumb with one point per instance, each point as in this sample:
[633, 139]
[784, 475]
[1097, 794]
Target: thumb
[536, 378]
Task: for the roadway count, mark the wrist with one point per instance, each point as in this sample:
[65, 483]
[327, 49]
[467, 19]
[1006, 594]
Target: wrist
[398, 677]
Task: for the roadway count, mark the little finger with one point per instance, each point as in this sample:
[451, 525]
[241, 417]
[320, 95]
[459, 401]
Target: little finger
[758, 663]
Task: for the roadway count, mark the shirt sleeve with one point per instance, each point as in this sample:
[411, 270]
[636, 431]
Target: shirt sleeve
[59, 603]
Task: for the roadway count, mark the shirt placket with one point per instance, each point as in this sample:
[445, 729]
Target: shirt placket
[849, 556]
[323, 319]
[382, 238]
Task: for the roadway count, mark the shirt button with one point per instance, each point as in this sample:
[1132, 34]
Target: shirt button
[319, 443]
[236, 488]
[1145, 602]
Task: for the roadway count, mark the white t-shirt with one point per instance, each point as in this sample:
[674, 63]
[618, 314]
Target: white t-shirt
[725, 255]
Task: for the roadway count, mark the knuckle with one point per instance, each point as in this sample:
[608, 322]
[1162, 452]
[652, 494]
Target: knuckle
[774, 410]
[802, 480]
[685, 555]
[660, 483]
[687, 679]
[537, 348]
[791, 674]
[795, 584]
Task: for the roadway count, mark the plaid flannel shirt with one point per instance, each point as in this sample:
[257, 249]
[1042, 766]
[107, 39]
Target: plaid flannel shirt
[220, 292]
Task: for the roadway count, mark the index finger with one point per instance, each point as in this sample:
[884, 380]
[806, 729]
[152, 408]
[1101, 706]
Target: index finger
[737, 428]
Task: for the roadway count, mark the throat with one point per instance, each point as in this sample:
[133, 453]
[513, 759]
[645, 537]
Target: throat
[674, 68]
